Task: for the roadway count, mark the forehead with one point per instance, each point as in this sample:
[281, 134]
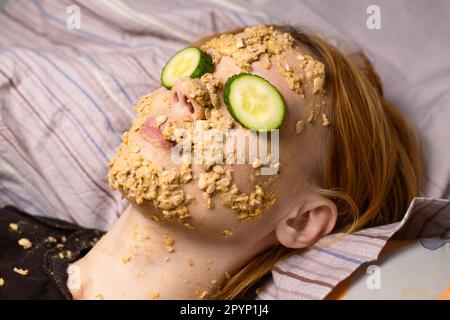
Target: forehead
[287, 64]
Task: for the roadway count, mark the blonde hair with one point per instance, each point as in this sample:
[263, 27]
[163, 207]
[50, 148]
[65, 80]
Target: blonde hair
[372, 162]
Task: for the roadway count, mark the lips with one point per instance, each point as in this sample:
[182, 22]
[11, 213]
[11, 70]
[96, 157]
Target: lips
[151, 131]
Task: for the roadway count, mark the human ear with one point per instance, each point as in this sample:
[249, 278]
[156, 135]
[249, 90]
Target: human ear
[308, 222]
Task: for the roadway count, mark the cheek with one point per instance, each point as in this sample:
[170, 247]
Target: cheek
[223, 222]
[241, 199]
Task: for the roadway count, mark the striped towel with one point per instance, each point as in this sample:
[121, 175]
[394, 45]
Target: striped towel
[313, 273]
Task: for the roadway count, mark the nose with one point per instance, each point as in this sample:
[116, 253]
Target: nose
[182, 104]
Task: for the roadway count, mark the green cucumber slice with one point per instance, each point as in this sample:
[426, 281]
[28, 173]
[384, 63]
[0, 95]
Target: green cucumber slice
[190, 61]
[254, 102]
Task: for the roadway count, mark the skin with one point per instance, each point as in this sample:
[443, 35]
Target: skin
[298, 218]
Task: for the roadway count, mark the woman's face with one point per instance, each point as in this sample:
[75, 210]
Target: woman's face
[205, 190]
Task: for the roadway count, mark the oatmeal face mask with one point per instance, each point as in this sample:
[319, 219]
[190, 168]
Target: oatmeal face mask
[244, 100]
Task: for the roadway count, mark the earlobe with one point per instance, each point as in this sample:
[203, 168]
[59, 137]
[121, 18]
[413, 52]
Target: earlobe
[307, 223]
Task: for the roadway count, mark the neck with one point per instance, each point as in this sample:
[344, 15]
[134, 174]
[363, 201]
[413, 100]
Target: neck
[140, 258]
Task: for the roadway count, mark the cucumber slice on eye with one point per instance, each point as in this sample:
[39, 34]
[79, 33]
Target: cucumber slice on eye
[254, 102]
[190, 61]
